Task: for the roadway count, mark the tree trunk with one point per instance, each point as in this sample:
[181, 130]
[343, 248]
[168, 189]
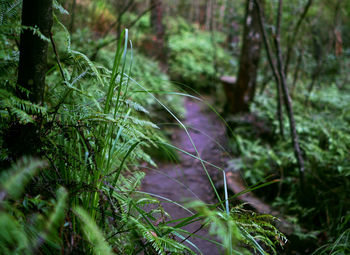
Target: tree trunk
[157, 18]
[158, 29]
[33, 50]
[208, 14]
[244, 89]
[24, 139]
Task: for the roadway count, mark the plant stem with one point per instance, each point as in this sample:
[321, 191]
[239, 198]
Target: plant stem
[287, 99]
[273, 67]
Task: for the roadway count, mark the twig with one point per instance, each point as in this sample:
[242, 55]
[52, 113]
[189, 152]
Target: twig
[57, 57]
[273, 67]
[120, 15]
[141, 15]
[291, 41]
[106, 43]
[202, 225]
[287, 99]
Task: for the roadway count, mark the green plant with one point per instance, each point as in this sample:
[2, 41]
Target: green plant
[193, 57]
[239, 225]
[148, 73]
[326, 148]
[340, 246]
[23, 232]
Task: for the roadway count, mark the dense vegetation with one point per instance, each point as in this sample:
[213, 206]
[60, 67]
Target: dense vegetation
[116, 73]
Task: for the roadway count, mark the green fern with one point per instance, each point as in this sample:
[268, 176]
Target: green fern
[240, 226]
[13, 181]
[92, 233]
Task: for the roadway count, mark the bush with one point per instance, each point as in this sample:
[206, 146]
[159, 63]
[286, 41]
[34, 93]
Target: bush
[325, 146]
[192, 56]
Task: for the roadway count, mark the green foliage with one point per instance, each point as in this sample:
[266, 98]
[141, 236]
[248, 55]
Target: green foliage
[93, 234]
[241, 226]
[154, 82]
[325, 146]
[194, 54]
[141, 220]
[90, 131]
[340, 246]
[178, 25]
[144, 70]
[23, 233]
[9, 28]
[142, 26]
[13, 181]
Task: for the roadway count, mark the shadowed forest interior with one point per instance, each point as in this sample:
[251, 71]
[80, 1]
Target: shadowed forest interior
[174, 127]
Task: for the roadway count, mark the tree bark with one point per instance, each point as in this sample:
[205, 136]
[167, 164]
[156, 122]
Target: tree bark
[24, 139]
[208, 14]
[157, 18]
[158, 29]
[244, 89]
[33, 50]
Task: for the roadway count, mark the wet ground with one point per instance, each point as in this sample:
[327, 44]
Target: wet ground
[188, 180]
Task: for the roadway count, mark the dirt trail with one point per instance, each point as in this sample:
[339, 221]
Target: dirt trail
[205, 129]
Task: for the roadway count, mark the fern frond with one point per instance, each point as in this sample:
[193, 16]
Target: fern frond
[8, 9]
[135, 106]
[13, 239]
[93, 233]
[60, 8]
[58, 213]
[13, 181]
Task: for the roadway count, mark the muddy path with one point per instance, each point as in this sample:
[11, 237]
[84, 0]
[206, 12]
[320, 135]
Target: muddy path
[187, 180]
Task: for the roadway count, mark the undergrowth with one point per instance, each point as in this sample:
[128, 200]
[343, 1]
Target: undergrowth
[196, 57]
[322, 123]
[82, 196]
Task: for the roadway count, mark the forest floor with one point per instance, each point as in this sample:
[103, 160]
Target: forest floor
[187, 180]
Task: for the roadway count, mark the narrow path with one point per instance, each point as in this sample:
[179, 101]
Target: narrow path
[171, 180]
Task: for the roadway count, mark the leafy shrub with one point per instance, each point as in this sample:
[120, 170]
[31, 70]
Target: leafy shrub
[178, 25]
[28, 222]
[325, 146]
[340, 246]
[192, 56]
[90, 131]
[143, 24]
